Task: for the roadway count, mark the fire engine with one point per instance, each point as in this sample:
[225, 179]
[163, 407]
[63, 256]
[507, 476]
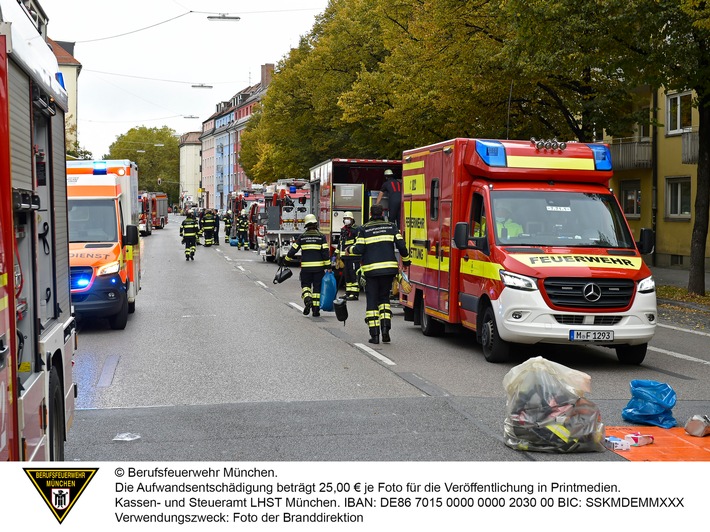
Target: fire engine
[145, 218]
[286, 204]
[37, 329]
[341, 185]
[524, 243]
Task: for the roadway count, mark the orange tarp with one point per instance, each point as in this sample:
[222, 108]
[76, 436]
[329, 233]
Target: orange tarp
[669, 445]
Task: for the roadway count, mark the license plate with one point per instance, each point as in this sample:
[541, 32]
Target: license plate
[591, 336]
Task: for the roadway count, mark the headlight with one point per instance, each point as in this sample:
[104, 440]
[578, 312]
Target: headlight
[111, 267]
[519, 282]
[647, 285]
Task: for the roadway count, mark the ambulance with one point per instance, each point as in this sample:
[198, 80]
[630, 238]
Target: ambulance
[104, 250]
[524, 243]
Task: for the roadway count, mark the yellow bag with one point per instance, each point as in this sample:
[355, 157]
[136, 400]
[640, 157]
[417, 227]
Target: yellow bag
[404, 285]
[339, 264]
[395, 286]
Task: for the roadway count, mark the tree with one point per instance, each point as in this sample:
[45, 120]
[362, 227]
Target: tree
[157, 153]
[75, 151]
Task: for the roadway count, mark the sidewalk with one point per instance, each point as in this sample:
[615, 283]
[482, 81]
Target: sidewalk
[675, 277]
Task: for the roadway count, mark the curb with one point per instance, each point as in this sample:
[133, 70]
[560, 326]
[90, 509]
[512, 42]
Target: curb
[692, 306]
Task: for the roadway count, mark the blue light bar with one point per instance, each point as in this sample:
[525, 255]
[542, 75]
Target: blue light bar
[100, 168]
[492, 152]
[81, 283]
[602, 157]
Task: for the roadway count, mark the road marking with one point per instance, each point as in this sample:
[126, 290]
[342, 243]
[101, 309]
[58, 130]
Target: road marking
[242, 268]
[375, 354]
[108, 371]
[296, 306]
[678, 355]
[262, 284]
[200, 316]
[684, 330]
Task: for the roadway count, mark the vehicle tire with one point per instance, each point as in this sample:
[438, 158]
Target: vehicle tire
[430, 326]
[631, 354]
[495, 349]
[131, 307]
[56, 418]
[118, 321]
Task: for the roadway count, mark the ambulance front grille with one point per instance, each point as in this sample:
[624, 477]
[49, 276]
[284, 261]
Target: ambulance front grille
[589, 292]
[576, 319]
[80, 276]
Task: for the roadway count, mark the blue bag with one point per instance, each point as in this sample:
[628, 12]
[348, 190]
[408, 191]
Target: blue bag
[328, 290]
[651, 403]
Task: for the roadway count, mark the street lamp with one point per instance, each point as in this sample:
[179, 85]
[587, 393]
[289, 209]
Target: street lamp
[224, 16]
[201, 86]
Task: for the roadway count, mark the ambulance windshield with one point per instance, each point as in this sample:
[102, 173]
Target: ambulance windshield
[92, 220]
[549, 218]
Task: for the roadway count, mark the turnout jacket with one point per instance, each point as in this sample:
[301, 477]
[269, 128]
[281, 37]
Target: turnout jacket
[314, 251]
[375, 242]
[348, 237]
[208, 221]
[188, 227]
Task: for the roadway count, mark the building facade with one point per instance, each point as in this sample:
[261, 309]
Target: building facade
[190, 158]
[70, 69]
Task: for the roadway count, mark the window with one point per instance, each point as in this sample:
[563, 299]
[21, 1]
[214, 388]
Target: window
[678, 113]
[631, 198]
[678, 197]
[434, 200]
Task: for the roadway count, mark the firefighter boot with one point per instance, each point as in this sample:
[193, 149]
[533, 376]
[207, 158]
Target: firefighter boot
[374, 335]
[386, 325]
[307, 302]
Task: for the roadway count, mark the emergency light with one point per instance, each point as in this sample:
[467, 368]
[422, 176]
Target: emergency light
[602, 156]
[492, 152]
[100, 168]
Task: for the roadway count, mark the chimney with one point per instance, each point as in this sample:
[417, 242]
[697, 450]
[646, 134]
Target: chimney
[267, 72]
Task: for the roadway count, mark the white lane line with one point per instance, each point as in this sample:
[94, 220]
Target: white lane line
[678, 355]
[683, 330]
[199, 316]
[296, 306]
[262, 284]
[375, 354]
[242, 268]
[228, 259]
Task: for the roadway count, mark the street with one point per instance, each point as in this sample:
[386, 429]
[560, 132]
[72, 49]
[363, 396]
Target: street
[218, 363]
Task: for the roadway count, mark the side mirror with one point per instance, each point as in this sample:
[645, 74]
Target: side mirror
[461, 235]
[131, 236]
[647, 242]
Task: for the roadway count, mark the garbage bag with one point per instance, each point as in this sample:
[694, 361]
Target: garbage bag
[651, 404]
[328, 291]
[547, 410]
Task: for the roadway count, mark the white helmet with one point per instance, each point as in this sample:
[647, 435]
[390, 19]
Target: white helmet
[229, 212]
[388, 172]
[310, 219]
[348, 214]
[244, 212]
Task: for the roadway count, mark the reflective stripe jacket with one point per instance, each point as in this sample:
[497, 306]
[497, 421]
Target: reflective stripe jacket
[375, 242]
[208, 221]
[242, 223]
[188, 227]
[348, 237]
[314, 250]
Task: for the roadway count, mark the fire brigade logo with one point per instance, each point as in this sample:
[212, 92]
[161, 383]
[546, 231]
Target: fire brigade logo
[60, 488]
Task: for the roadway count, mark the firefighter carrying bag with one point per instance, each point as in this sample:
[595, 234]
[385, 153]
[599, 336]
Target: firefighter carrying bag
[328, 291]
[282, 274]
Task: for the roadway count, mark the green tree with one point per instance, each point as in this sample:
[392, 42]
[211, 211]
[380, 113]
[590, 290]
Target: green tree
[156, 151]
[76, 150]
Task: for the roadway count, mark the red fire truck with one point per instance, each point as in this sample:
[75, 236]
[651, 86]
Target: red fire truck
[37, 328]
[522, 242]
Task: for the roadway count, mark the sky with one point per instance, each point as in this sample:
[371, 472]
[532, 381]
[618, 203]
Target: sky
[140, 58]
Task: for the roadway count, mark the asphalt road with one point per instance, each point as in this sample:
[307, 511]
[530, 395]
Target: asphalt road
[218, 363]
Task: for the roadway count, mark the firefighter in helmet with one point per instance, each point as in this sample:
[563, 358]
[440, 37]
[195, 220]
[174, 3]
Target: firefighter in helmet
[188, 232]
[314, 262]
[376, 242]
[243, 230]
[227, 219]
[392, 187]
[351, 263]
[207, 227]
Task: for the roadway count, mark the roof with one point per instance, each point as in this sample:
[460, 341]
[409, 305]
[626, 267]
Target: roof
[62, 55]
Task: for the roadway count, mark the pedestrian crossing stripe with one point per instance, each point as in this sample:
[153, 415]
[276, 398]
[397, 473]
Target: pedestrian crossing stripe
[60, 488]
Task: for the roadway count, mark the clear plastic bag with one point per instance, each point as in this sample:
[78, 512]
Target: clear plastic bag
[547, 411]
[651, 404]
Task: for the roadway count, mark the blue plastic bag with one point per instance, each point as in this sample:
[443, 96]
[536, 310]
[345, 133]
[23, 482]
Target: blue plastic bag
[328, 290]
[651, 403]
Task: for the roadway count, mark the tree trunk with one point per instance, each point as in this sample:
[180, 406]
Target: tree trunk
[696, 278]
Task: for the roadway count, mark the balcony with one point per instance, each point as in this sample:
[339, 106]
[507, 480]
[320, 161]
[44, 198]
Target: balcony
[690, 147]
[630, 153]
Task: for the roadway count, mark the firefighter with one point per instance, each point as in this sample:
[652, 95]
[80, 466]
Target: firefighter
[198, 217]
[393, 188]
[243, 230]
[188, 232]
[376, 242]
[351, 263]
[215, 238]
[314, 262]
[227, 226]
[207, 227]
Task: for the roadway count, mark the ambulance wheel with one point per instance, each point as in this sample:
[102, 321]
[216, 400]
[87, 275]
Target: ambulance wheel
[495, 349]
[631, 354]
[56, 418]
[119, 321]
[430, 326]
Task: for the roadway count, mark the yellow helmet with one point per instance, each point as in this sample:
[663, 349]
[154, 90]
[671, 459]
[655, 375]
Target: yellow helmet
[348, 214]
[310, 219]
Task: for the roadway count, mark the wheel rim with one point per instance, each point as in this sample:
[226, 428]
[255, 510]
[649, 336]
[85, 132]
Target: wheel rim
[487, 336]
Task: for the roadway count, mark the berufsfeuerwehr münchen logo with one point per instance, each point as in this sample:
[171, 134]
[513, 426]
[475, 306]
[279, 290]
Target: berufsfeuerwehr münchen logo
[60, 488]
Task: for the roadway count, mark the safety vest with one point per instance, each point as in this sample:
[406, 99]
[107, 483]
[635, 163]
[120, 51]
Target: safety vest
[188, 227]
